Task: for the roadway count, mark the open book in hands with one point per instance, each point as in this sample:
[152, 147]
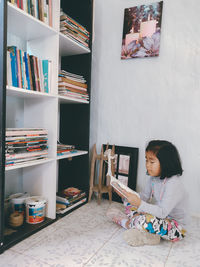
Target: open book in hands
[119, 186]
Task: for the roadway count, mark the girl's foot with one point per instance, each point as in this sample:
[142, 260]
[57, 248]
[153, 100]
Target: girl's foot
[136, 238]
[117, 216]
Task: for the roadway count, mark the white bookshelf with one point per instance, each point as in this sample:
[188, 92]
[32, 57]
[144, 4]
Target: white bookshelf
[27, 108]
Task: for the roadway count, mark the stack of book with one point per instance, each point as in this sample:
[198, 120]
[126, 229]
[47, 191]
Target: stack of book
[68, 199]
[40, 9]
[72, 85]
[25, 145]
[74, 30]
[65, 149]
[27, 71]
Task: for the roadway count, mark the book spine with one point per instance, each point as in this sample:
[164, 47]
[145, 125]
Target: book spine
[29, 6]
[33, 8]
[41, 75]
[64, 79]
[25, 155]
[26, 133]
[41, 10]
[45, 11]
[72, 85]
[45, 75]
[35, 73]
[36, 9]
[25, 6]
[49, 75]
[27, 71]
[32, 72]
[50, 13]
[22, 69]
[18, 69]
[13, 56]
[9, 71]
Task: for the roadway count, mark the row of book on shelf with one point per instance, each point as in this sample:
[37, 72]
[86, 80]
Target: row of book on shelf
[27, 71]
[40, 9]
[72, 85]
[69, 198]
[31, 73]
[74, 30]
[25, 145]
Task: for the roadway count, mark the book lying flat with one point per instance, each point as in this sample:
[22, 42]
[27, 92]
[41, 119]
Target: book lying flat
[119, 186]
[61, 198]
[64, 210]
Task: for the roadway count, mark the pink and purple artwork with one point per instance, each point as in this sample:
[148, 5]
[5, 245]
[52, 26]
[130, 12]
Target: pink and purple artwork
[141, 31]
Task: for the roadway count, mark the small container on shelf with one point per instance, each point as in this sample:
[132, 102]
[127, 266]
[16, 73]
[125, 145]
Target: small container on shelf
[35, 209]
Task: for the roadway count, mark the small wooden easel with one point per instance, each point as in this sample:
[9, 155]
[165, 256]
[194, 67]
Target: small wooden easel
[102, 186]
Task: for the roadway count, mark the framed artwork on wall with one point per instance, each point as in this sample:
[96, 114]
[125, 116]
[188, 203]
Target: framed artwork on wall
[126, 164]
[141, 31]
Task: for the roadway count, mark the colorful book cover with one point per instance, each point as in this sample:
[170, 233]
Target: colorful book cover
[50, 13]
[45, 75]
[9, 71]
[19, 71]
[30, 72]
[14, 68]
[29, 6]
[27, 71]
[33, 72]
[22, 68]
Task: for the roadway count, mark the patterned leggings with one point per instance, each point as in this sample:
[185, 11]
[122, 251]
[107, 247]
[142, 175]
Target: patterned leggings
[167, 229]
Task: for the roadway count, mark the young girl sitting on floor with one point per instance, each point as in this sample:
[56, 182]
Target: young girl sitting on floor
[165, 217]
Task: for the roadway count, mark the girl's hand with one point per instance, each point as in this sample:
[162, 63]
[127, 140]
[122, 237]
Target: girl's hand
[118, 193]
[133, 199]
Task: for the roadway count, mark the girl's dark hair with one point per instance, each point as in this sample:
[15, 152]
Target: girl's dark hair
[168, 157]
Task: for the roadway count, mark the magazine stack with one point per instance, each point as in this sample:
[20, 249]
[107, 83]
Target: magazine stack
[74, 30]
[25, 145]
[72, 85]
[65, 149]
[68, 199]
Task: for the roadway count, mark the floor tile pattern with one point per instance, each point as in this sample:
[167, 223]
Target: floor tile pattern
[86, 238]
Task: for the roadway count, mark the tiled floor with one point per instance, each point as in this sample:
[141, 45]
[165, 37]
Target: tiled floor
[87, 238]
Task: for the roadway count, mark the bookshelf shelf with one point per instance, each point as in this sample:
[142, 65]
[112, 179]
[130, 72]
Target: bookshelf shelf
[27, 27]
[74, 154]
[23, 93]
[25, 231]
[68, 46]
[70, 100]
[28, 164]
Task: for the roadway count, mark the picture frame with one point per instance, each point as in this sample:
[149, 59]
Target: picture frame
[142, 31]
[126, 166]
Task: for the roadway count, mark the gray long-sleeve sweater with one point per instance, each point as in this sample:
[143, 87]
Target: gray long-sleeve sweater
[170, 199]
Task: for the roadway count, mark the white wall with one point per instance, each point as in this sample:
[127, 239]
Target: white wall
[136, 100]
